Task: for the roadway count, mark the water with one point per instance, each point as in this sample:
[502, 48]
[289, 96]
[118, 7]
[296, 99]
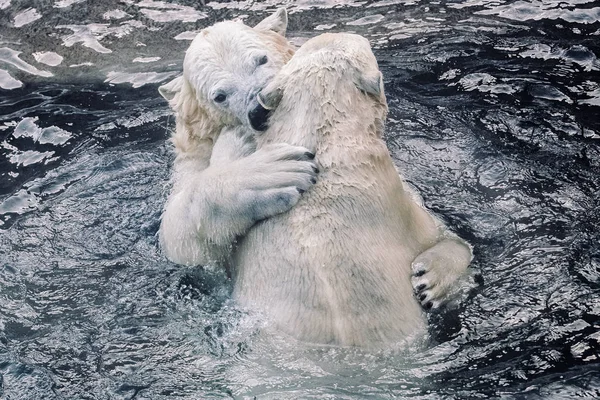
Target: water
[493, 118]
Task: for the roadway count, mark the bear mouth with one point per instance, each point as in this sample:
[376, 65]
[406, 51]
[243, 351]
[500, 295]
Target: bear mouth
[259, 118]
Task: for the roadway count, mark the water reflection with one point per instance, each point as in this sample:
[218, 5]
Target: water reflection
[493, 119]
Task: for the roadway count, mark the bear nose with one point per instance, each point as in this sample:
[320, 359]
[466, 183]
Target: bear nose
[258, 117]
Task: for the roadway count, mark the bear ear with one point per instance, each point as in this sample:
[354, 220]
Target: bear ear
[371, 83]
[270, 96]
[170, 90]
[276, 22]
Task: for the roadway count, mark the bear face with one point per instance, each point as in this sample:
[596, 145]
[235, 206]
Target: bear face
[224, 67]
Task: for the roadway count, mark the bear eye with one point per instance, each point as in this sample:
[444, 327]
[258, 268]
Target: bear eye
[262, 60]
[219, 98]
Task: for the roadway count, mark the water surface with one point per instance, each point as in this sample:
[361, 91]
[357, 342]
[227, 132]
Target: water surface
[493, 118]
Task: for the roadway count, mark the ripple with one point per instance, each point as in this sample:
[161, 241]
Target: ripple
[368, 20]
[577, 54]
[161, 11]
[294, 7]
[138, 79]
[115, 14]
[19, 203]
[548, 92]
[52, 135]
[66, 3]
[29, 157]
[8, 82]
[187, 35]
[145, 59]
[26, 17]
[594, 98]
[11, 57]
[485, 83]
[90, 35]
[538, 10]
[325, 27]
[48, 57]
[490, 119]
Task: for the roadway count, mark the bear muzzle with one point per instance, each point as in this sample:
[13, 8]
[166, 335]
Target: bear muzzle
[259, 117]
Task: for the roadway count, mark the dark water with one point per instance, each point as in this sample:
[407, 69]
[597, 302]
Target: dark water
[494, 118]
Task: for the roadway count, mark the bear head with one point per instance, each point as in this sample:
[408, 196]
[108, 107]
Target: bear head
[331, 77]
[224, 68]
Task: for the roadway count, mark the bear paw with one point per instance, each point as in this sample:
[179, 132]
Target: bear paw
[275, 178]
[426, 284]
[436, 271]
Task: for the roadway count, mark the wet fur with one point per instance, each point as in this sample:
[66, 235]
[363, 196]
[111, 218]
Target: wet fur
[336, 268]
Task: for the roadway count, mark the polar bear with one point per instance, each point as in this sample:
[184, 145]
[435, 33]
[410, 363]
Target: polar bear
[213, 201]
[340, 266]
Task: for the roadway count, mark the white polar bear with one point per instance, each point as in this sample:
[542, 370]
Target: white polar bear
[213, 201]
[336, 268]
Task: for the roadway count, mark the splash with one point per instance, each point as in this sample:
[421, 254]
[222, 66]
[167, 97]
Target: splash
[11, 57]
[50, 135]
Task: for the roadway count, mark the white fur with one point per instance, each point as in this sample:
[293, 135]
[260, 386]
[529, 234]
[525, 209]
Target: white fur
[336, 268]
[215, 199]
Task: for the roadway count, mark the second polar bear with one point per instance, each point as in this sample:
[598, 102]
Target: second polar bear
[336, 268]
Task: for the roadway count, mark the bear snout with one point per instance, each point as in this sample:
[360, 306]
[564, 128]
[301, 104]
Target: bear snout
[258, 117]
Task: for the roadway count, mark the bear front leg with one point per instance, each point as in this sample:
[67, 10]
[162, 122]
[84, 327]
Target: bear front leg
[436, 271]
[232, 144]
[268, 182]
[274, 177]
[210, 208]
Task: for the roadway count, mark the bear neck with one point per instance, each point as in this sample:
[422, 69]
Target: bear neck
[342, 131]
